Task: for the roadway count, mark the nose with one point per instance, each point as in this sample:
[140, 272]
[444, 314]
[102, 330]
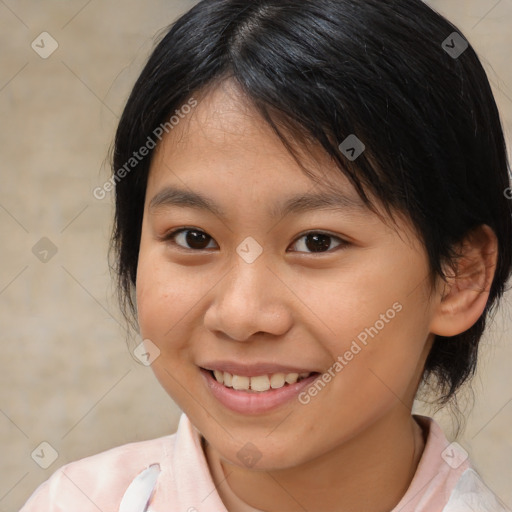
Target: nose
[250, 299]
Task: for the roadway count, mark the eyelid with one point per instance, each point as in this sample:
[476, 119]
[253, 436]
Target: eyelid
[167, 236]
[343, 242]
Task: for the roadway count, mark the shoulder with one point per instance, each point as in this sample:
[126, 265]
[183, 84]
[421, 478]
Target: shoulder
[445, 478]
[99, 481]
[471, 493]
[440, 466]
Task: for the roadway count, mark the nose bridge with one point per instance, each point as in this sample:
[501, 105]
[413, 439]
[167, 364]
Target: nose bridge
[249, 272]
[247, 285]
[248, 300]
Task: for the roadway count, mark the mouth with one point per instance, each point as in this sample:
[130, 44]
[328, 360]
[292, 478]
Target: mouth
[258, 383]
[256, 394]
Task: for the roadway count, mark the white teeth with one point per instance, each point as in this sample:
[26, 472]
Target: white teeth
[259, 382]
[227, 379]
[292, 378]
[277, 380]
[240, 382]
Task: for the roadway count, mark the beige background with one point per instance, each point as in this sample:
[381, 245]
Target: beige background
[66, 375]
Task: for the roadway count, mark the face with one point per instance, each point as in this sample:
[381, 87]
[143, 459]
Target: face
[323, 289]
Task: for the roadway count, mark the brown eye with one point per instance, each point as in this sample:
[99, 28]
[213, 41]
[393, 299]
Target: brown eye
[194, 239]
[189, 238]
[317, 242]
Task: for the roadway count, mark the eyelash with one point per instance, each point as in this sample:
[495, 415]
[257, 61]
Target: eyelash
[169, 238]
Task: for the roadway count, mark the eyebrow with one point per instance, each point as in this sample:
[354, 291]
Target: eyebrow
[172, 196]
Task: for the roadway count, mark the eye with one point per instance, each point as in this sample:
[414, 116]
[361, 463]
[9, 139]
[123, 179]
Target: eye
[195, 238]
[317, 241]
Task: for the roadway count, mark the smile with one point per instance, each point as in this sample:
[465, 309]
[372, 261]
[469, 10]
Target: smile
[259, 383]
[259, 394]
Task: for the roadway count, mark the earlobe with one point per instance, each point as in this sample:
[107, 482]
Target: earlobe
[464, 294]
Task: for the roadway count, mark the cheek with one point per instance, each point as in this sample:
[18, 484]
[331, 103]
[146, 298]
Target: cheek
[389, 356]
[160, 301]
[158, 293]
[376, 332]
[167, 296]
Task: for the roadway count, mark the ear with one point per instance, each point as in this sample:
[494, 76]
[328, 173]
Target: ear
[464, 293]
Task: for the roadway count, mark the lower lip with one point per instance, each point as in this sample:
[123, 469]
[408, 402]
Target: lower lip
[255, 402]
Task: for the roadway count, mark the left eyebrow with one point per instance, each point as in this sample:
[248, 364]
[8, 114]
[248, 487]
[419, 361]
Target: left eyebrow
[173, 196]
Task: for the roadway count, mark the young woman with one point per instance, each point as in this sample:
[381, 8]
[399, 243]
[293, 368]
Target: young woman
[311, 222]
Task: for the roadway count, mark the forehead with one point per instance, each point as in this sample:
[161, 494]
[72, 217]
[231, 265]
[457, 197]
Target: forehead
[224, 139]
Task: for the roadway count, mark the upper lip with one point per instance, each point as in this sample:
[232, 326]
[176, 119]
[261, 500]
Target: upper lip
[252, 369]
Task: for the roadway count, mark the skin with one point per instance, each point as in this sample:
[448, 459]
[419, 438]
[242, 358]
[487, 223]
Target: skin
[355, 445]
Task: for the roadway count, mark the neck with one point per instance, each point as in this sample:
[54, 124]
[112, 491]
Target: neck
[371, 471]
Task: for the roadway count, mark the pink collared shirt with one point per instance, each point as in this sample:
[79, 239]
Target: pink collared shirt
[443, 482]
